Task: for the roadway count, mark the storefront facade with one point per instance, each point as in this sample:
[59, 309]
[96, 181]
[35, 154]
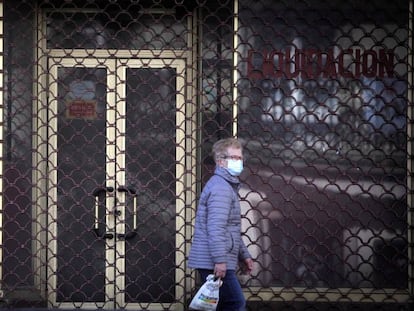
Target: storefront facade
[109, 111]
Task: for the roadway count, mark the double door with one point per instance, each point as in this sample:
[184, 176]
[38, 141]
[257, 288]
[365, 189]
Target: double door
[116, 139]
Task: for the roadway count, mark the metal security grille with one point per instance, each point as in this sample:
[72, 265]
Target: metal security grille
[323, 99]
[110, 109]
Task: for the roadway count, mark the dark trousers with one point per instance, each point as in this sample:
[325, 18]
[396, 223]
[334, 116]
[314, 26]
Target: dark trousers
[231, 295]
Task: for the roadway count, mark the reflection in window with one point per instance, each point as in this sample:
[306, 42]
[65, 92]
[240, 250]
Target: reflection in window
[101, 30]
[323, 112]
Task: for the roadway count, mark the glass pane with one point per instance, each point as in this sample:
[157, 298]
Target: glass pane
[216, 113]
[134, 30]
[81, 170]
[150, 258]
[18, 208]
[324, 118]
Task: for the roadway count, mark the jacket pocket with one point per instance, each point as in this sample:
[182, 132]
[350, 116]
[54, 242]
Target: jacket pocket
[230, 242]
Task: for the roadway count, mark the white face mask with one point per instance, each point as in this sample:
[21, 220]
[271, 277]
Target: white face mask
[234, 167]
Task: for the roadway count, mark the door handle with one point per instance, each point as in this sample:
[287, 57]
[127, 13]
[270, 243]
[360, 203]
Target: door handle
[96, 193]
[130, 191]
[128, 235]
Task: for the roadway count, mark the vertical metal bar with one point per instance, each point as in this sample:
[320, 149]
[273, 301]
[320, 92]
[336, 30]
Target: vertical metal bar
[181, 174]
[194, 158]
[96, 212]
[1, 138]
[135, 212]
[113, 77]
[235, 62]
[410, 97]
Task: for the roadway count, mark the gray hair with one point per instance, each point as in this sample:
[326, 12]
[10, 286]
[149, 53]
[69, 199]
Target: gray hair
[220, 147]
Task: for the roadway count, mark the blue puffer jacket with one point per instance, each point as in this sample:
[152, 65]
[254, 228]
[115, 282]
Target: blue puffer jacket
[217, 237]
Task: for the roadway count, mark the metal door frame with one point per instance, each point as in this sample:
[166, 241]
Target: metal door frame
[116, 106]
[179, 65]
[116, 94]
[187, 155]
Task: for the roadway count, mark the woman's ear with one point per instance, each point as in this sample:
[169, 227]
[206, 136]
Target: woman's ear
[221, 162]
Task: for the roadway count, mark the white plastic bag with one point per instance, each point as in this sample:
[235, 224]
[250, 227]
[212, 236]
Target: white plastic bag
[207, 296]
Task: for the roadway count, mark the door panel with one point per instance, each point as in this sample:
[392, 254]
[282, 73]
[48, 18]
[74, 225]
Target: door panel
[116, 193]
[81, 145]
[150, 165]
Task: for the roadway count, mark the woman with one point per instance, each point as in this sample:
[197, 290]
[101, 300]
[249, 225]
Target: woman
[217, 244]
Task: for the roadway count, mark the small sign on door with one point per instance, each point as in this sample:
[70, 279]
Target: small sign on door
[81, 109]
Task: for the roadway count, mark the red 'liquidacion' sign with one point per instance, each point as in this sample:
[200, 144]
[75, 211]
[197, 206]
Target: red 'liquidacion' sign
[313, 63]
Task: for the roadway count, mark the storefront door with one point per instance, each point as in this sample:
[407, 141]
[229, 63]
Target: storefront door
[116, 171]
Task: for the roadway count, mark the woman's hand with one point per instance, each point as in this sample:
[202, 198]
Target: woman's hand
[220, 270]
[247, 266]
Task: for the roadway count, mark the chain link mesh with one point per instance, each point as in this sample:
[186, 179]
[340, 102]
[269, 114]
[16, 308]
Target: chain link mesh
[107, 104]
